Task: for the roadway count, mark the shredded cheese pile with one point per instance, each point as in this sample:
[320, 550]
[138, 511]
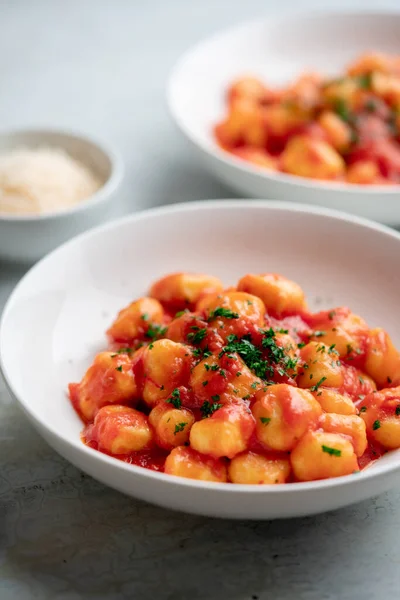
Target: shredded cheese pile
[41, 180]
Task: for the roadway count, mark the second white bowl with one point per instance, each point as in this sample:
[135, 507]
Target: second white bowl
[276, 50]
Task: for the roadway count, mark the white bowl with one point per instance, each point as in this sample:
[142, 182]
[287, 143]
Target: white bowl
[276, 50]
[55, 320]
[28, 237]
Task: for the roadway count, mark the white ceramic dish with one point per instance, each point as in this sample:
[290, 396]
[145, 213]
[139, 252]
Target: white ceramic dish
[55, 320]
[277, 49]
[28, 237]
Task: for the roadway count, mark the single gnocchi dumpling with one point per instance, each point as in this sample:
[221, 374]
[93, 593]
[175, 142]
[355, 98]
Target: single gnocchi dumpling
[280, 296]
[121, 430]
[186, 462]
[171, 422]
[341, 330]
[321, 455]
[310, 157]
[250, 88]
[235, 313]
[351, 426]
[338, 133]
[254, 468]
[283, 414]
[332, 401]
[142, 319]
[182, 290]
[382, 361]
[226, 433]
[381, 414]
[221, 379]
[161, 367]
[320, 367]
[109, 380]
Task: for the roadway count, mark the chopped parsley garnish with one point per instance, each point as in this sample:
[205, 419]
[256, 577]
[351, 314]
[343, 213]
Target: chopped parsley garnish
[397, 411]
[250, 354]
[207, 409]
[220, 311]
[179, 427]
[144, 317]
[319, 333]
[175, 399]
[205, 383]
[315, 387]
[342, 109]
[265, 420]
[151, 346]
[238, 374]
[360, 379]
[301, 345]
[119, 368]
[216, 398]
[155, 331]
[222, 372]
[331, 349]
[364, 81]
[376, 425]
[254, 385]
[331, 314]
[363, 409]
[124, 351]
[284, 331]
[180, 313]
[331, 451]
[198, 336]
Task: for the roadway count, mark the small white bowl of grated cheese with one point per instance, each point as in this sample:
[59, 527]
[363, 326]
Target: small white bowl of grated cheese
[53, 185]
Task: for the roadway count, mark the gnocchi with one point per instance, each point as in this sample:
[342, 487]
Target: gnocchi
[241, 385]
[343, 129]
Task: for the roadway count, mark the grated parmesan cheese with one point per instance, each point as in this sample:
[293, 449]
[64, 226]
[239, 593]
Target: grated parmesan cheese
[34, 181]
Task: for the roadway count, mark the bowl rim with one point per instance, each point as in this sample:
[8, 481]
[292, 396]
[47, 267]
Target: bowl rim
[105, 192]
[109, 461]
[229, 160]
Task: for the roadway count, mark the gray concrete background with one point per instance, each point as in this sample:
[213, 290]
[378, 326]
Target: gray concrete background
[100, 66]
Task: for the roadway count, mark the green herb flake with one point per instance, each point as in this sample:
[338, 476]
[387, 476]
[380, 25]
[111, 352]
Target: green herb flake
[331, 451]
[363, 409]
[331, 314]
[179, 427]
[376, 425]
[265, 420]
[175, 399]
[155, 331]
[365, 80]
[315, 387]
[145, 317]
[397, 411]
[301, 345]
[119, 368]
[342, 109]
[220, 311]
[238, 374]
[207, 409]
[205, 383]
[180, 313]
[197, 337]
[319, 333]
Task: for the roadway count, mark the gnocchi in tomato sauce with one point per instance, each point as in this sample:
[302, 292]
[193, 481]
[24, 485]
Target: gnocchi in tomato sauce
[345, 129]
[241, 384]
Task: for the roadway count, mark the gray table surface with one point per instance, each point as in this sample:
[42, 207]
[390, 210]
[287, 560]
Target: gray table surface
[100, 66]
